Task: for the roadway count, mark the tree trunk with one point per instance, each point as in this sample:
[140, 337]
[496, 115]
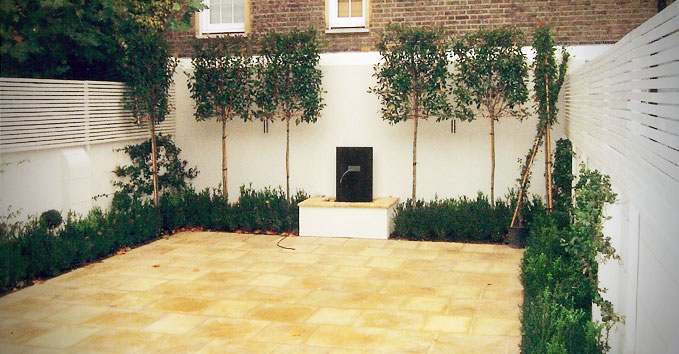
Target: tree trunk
[492, 160]
[287, 155]
[548, 150]
[225, 169]
[416, 121]
[524, 178]
[548, 167]
[154, 161]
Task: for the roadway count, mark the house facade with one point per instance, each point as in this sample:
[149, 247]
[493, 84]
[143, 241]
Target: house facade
[354, 25]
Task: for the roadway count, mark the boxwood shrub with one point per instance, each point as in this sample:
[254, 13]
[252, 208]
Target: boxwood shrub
[42, 248]
[461, 219]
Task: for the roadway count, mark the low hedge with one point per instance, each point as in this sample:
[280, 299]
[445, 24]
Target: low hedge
[255, 210]
[36, 249]
[42, 248]
[461, 219]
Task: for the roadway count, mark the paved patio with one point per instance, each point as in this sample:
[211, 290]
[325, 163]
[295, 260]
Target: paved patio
[208, 292]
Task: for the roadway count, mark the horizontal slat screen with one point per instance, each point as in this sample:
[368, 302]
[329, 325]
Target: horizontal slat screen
[41, 114]
[622, 114]
[622, 111]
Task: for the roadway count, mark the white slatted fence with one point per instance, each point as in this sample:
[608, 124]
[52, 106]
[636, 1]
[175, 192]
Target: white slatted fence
[41, 114]
[622, 114]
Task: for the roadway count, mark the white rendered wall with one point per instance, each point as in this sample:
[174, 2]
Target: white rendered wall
[62, 179]
[449, 165]
[375, 223]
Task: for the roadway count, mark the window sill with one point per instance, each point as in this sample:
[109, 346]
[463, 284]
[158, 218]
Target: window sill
[347, 30]
[218, 35]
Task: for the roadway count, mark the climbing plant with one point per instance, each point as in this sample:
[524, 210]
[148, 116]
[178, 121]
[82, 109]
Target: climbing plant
[412, 79]
[288, 85]
[548, 77]
[490, 80]
[136, 179]
[221, 86]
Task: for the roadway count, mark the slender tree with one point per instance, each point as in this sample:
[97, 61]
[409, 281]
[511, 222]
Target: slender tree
[148, 69]
[490, 75]
[412, 79]
[146, 64]
[221, 86]
[288, 82]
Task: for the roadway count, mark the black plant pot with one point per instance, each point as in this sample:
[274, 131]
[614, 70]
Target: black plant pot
[516, 238]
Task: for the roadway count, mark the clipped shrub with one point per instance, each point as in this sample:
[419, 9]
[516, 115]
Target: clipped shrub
[462, 219]
[51, 219]
[267, 209]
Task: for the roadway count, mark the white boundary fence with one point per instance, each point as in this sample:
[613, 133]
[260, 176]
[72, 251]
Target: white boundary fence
[41, 114]
[622, 114]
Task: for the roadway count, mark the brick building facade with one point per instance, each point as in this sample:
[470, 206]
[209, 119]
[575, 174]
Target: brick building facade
[574, 21]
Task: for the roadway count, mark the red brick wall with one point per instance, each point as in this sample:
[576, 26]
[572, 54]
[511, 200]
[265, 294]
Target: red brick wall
[573, 21]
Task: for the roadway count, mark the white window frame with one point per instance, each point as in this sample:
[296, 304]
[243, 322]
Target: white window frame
[343, 22]
[205, 27]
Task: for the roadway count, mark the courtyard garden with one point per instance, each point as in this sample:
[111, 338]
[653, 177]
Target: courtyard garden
[166, 266]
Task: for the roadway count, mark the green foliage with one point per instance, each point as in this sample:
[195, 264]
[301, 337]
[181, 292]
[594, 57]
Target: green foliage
[267, 209]
[67, 39]
[547, 76]
[490, 72]
[159, 15]
[262, 210]
[453, 219]
[51, 219]
[288, 77]
[563, 182]
[559, 274]
[553, 325]
[147, 70]
[77, 39]
[136, 179]
[31, 250]
[412, 77]
[221, 83]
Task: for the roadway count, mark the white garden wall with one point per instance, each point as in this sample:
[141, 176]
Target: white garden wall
[57, 138]
[622, 114]
[449, 164]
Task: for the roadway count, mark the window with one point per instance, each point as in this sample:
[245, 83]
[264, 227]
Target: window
[347, 13]
[222, 16]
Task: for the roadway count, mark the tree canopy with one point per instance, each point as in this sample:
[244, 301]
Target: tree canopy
[289, 80]
[412, 78]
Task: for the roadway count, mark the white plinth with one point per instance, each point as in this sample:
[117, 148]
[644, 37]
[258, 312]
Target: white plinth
[320, 216]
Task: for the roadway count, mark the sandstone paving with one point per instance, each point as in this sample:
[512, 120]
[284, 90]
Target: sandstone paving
[211, 292]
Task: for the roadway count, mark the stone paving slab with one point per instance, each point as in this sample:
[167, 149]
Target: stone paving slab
[210, 292]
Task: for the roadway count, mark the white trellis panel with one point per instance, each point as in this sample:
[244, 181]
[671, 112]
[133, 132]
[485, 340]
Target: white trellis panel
[622, 114]
[41, 114]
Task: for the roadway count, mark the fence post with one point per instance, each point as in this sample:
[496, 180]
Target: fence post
[87, 115]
